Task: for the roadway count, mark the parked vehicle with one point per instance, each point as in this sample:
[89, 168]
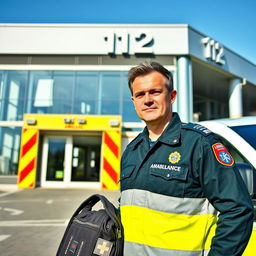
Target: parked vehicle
[239, 136]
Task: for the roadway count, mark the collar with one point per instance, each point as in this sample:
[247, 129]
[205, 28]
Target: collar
[171, 134]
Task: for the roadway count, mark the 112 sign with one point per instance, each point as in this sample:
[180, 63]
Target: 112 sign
[213, 50]
[122, 42]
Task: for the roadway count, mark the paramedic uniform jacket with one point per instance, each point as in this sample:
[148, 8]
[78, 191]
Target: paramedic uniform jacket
[183, 196]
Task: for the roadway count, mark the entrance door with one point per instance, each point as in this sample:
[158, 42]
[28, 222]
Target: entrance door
[71, 161]
[86, 160]
[56, 161]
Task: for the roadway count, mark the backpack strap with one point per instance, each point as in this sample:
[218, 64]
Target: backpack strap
[109, 207]
[111, 211]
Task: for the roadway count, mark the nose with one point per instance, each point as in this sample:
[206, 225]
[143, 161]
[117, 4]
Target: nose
[148, 99]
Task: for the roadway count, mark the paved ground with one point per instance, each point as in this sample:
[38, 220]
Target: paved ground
[8, 179]
[32, 222]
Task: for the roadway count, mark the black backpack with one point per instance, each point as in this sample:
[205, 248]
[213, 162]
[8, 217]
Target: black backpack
[92, 233]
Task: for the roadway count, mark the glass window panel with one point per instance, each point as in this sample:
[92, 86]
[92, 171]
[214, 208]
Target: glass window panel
[86, 158]
[128, 110]
[13, 94]
[55, 160]
[238, 157]
[13, 101]
[7, 142]
[110, 93]
[11, 112]
[16, 146]
[9, 149]
[82, 92]
[63, 91]
[43, 97]
[86, 93]
[1, 91]
[1, 84]
[248, 132]
[40, 92]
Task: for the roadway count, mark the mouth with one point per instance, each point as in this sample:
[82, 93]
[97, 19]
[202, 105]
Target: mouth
[149, 109]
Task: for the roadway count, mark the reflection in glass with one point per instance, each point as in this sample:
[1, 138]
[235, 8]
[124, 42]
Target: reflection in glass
[40, 92]
[63, 91]
[13, 94]
[248, 132]
[68, 92]
[55, 159]
[44, 93]
[110, 93]
[9, 149]
[86, 92]
[128, 110]
[86, 158]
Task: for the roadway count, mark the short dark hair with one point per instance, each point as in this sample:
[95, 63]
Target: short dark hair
[147, 68]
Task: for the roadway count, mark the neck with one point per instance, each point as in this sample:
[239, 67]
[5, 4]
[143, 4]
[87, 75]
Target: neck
[155, 129]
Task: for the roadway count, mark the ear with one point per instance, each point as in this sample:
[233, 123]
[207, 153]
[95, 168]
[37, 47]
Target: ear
[173, 95]
[132, 98]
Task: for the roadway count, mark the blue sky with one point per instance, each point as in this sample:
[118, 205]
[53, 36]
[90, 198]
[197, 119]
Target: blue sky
[231, 22]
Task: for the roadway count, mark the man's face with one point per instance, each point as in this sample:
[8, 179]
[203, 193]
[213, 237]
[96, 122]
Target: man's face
[151, 98]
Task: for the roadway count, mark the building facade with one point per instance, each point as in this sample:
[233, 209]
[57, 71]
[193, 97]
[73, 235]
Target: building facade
[57, 81]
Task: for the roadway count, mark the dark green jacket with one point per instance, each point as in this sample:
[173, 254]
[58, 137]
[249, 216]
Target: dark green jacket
[189, 161]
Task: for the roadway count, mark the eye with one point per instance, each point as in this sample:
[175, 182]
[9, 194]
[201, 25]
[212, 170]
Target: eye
[155, 92]
[139, 95]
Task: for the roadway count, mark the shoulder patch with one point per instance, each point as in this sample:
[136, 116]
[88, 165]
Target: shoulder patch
[197, 128]
[222, 154]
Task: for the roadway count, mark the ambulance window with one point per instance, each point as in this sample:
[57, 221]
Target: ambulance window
[248, 132]
[234, 152]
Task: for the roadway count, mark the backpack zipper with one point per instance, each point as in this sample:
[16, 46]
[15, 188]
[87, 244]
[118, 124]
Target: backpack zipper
[86, 223]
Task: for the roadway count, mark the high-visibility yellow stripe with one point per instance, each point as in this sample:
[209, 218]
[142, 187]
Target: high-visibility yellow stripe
[55, 122]
[29, 180]
[111, 159]
[165, 230]
[251, 247]
[108, 154]
[108, 181]
[115, 136]
[112, 144]
[26, 135]
[27, 158]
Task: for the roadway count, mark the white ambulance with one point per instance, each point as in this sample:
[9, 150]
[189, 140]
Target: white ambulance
[239, 137]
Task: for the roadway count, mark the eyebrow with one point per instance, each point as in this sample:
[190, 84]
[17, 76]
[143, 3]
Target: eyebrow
[150, 91]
